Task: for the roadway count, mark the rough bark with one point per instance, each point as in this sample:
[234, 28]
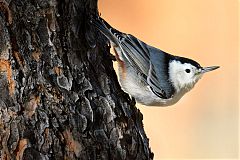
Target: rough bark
[59, 95]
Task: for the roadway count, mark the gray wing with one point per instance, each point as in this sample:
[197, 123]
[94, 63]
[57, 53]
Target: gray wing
[159, 71]
[136, 53]
[151, 62]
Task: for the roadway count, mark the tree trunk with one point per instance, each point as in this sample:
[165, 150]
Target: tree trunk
[59, 94]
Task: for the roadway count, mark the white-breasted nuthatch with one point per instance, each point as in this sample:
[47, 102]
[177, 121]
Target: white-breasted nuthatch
[150, 75]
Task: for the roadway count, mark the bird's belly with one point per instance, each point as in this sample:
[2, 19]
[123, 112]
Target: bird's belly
[137, 88]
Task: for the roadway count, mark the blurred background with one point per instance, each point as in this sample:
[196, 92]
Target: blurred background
[204, 123]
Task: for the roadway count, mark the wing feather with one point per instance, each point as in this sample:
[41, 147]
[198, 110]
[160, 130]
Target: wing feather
[151, 62]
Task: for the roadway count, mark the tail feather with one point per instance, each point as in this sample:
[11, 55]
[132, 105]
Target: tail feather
[106, 29]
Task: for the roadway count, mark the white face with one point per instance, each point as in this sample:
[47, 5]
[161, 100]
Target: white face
[183, 75]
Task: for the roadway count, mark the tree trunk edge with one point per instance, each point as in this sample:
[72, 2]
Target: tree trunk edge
[59, 94]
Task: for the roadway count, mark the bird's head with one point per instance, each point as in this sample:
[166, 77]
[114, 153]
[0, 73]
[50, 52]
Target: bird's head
[184, 73]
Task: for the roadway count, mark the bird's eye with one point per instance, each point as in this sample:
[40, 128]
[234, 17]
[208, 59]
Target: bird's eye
[187, 70]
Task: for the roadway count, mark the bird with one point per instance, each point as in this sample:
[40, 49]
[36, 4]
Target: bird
[150, 75]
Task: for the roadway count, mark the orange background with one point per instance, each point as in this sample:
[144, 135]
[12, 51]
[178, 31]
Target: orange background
[204, 123]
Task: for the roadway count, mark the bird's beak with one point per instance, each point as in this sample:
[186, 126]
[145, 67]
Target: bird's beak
[207, 69]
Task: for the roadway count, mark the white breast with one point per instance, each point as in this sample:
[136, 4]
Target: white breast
[137, 88]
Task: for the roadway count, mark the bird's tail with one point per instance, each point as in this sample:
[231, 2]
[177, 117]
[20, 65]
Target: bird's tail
[105, 28]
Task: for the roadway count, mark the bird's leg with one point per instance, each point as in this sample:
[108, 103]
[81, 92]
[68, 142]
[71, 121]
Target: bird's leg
[112, 57]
